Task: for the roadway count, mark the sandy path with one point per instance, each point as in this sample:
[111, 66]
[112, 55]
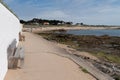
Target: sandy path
[40, 64]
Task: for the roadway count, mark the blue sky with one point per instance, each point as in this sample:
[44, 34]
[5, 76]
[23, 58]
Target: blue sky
[105, 12]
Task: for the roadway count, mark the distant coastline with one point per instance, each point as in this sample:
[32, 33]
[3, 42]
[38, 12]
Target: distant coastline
[43, 28]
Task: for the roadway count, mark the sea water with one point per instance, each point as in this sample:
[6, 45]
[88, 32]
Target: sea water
[95, 32]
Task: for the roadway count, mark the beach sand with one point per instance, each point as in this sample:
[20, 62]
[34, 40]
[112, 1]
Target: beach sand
[73, 51]
[41, 29]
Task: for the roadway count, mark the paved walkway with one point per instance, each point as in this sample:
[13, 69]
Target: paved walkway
[42, 64]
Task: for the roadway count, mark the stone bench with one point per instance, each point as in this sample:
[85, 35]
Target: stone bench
[17, 58]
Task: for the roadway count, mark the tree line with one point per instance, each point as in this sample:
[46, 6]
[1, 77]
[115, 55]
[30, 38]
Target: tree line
[43, 21]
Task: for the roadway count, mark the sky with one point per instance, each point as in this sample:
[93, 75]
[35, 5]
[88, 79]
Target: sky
[101, 12]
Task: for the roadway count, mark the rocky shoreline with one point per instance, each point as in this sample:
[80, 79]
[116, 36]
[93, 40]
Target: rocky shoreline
[106, 48]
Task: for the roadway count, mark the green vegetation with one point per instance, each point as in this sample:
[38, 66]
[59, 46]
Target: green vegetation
[37, 21]
[83, 43]
[108, 57]
[84, 70]
[108, 53]
[117, 78]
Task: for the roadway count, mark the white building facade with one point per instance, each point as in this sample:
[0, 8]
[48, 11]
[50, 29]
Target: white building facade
[9, 32]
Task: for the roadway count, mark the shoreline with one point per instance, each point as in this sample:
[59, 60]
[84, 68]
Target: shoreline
[84, 55]
[42, 29]
[83, 64]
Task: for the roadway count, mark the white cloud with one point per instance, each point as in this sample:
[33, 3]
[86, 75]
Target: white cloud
[87, 11]
[56, 14]
[8, 1]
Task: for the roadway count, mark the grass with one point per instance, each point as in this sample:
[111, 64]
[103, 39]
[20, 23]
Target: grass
[117, 78]
[84, 70]
[101, 55]
[112, 58]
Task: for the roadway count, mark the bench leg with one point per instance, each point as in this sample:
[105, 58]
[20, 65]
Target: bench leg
[21, 62]
[15, 65]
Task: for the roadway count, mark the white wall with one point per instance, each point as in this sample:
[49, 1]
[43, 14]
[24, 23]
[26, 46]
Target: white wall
[9, 30]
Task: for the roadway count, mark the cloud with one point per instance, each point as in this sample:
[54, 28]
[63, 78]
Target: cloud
[57, 14]
[8, 1]
[87, 11]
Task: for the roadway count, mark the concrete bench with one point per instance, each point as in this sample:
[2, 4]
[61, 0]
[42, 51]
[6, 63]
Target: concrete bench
[16, 58]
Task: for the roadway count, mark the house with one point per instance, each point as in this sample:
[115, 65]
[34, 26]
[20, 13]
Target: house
[46, 23]
[9, 36]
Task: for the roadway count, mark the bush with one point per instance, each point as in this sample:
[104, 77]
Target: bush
[84, 70]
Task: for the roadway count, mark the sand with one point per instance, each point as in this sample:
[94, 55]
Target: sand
[42, 64]
[40, 29]
[73, 51]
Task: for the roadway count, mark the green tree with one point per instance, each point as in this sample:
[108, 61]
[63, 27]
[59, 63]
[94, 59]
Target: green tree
[81, 24]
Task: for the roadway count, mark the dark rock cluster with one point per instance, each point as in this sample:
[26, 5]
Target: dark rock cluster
[111, 69]
[105, 43]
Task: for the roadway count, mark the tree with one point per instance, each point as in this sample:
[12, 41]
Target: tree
[69, 23]
[81, 24]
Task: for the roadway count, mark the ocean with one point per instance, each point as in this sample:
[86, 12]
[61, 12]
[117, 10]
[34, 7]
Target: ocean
[95, 32]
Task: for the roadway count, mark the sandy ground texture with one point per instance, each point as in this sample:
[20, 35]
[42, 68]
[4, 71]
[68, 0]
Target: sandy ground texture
[42, 64]
[73, 51]
[39, 29]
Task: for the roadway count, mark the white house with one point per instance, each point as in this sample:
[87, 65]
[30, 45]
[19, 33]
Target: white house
[9, 34]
